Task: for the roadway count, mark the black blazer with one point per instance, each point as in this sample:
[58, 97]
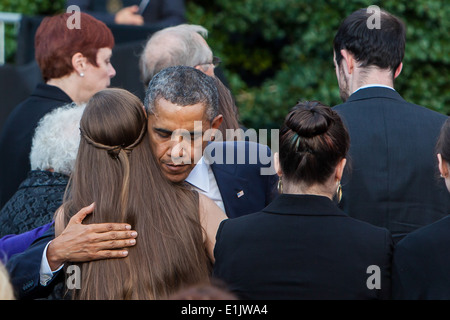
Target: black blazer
[17, 134]
[421, 264]
[302, 247]
[393, 182]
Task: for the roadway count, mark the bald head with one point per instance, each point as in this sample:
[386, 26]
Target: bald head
[174, 46]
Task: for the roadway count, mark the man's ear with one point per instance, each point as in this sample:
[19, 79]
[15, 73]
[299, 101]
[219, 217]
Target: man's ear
[215, 124]
[79, 62]
[217, 121]
[443, 166]
[398, 70]
[348, 61]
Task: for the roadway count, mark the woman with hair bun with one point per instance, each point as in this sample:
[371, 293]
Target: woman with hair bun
[302, 246]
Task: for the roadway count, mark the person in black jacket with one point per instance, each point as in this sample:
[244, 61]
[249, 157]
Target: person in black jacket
[75, 64]
[422, 259]
[52, 157]
[392, 183]
[302, 246]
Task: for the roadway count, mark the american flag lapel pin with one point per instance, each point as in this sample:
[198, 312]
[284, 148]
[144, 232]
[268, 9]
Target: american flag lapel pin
[240, 193]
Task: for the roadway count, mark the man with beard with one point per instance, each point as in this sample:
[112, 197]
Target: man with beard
[393, 182]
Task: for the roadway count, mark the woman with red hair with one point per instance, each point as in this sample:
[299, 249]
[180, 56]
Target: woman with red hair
[75, 64]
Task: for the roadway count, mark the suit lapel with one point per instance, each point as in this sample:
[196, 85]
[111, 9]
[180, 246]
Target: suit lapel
[233, 189]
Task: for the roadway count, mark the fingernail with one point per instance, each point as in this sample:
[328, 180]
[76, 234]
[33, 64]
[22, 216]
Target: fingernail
[132, 241]
[128, 227]
[124, 253]
[134, 234]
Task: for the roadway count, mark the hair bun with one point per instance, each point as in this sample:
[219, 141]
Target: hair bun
[311, 121]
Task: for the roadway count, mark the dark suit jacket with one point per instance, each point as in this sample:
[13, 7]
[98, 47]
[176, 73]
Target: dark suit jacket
[24, 267]
[421, 264]
[240, 176]
[164, 13]
[302, 247]
[394, 181]
[17, 134]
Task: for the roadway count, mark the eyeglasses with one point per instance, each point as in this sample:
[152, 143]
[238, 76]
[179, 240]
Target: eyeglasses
[215, 62]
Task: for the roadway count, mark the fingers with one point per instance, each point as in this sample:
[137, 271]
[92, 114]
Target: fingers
[80, 215]
[108, 227]
[116, 235]
[110, 254]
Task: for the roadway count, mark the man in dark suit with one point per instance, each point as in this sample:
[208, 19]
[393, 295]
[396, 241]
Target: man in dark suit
[182, 107]
[163, 13]
[393, 182]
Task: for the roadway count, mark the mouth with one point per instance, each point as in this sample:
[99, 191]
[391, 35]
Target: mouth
[174, 168]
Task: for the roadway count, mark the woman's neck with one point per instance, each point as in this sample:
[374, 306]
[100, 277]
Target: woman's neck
[68, 85]
[315, 189]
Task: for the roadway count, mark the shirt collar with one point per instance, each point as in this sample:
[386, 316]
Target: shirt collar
[199, 176]
[374, 85]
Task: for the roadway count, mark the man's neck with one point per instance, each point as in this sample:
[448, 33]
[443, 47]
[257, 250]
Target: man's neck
[365, 77]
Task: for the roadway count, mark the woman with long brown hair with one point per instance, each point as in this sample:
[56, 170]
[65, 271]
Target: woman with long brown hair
[116, 169]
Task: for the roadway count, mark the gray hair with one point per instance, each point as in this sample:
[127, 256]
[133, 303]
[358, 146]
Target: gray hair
[174, 46]
[56, 140]
[184, 86]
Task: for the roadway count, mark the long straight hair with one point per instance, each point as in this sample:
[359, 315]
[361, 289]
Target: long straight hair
[117, 170]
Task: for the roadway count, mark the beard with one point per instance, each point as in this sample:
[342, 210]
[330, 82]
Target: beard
[344, 90]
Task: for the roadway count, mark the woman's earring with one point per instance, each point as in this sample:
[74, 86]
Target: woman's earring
[280, 185]
[339, 192]
[82, 74]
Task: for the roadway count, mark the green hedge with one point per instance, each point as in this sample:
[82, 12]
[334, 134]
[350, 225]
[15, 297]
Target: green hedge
[28, 7]
[276, 52]
[280, 51]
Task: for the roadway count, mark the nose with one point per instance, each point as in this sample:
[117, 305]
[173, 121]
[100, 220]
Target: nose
[112, 72]
[179, 152]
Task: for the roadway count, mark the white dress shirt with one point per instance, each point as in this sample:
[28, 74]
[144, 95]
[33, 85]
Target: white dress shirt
[203, 180]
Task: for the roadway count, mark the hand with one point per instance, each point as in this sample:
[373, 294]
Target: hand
[129, 15]
[80, 242]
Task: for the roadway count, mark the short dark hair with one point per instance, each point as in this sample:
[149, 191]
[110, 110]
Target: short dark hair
[183, 86]
[313, 139]
[383, 47]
